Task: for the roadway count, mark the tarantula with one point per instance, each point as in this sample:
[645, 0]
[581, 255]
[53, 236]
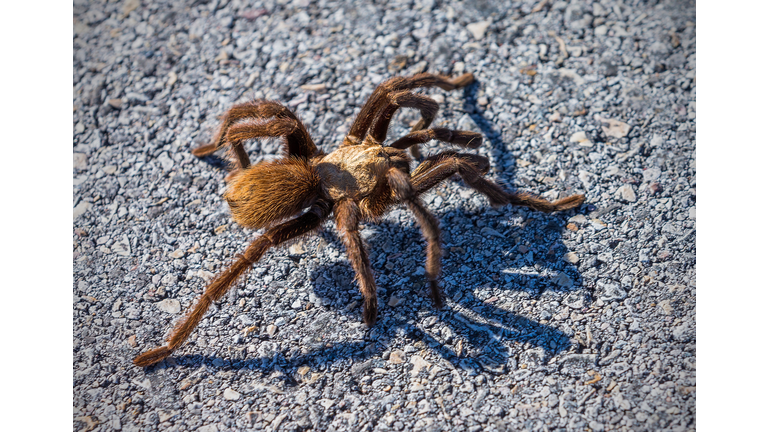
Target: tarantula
[357, 182]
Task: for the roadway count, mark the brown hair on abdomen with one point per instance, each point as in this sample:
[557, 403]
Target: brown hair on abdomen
[272, 191]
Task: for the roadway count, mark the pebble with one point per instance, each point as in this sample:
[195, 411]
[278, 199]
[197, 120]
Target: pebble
[627, 193]
[115, 103]
[130, 6]
[394, 301]
[651, 174]
[231, 395]
[581, 138]
[271, 330]
[171, 306]
[666, 307]
[313, 87]
[397, 357]
[478, 29]
[572, 257]
[578, 219]
[297, 249]
[178, 253]
[601, 30]
[418, 364]
[610, 292]
[122, 247]
[597, 224]
[613, 128]
[570, 73]
[80, 161]
[165, 161]
[563, 280]
[251, 79]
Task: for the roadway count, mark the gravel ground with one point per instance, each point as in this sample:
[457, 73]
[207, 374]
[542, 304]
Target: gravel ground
[573, 321]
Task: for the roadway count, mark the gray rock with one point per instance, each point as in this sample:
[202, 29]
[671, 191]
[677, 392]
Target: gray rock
[610, 292]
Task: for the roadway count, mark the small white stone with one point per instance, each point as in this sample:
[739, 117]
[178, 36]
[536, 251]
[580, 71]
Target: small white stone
[178, 253]
[601, 30]
[651, 174]
[579, 218]
[271, 330]
[171, 306]
[666, 307]
[165, 161]
[581, 138]
[614, 128]
[598, 225]
[80, 161]
[296, 249]
[418, 364]
[122, 247]
[230, 394]
[571, 257]
[478, 29]
[627, 193]
[397, 357]
[80, 209]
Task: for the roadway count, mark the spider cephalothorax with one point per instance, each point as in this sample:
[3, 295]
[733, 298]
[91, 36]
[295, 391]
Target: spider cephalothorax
[358, 182]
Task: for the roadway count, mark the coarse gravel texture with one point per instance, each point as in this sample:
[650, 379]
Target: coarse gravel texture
[583, 320]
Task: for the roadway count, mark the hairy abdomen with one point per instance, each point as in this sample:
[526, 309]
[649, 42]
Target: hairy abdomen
[272, 191]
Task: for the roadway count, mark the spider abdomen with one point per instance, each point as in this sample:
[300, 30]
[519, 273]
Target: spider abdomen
[269, 192]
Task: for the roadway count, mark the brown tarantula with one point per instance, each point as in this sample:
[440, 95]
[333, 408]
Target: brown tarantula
[358, 182]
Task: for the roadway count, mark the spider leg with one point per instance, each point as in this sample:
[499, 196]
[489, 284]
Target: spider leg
[379, 99]
[471, 168]
[224, 280]
[430, 229]
[347, 214]
[461, 138]
[297, 139]
[395, 101]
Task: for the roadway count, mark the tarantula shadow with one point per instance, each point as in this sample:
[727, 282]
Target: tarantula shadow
[358, 182]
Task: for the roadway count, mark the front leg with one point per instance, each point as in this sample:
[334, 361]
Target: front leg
[347, 214]
[299, 226]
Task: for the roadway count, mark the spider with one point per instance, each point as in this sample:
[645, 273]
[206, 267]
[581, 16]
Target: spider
[359, 181]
